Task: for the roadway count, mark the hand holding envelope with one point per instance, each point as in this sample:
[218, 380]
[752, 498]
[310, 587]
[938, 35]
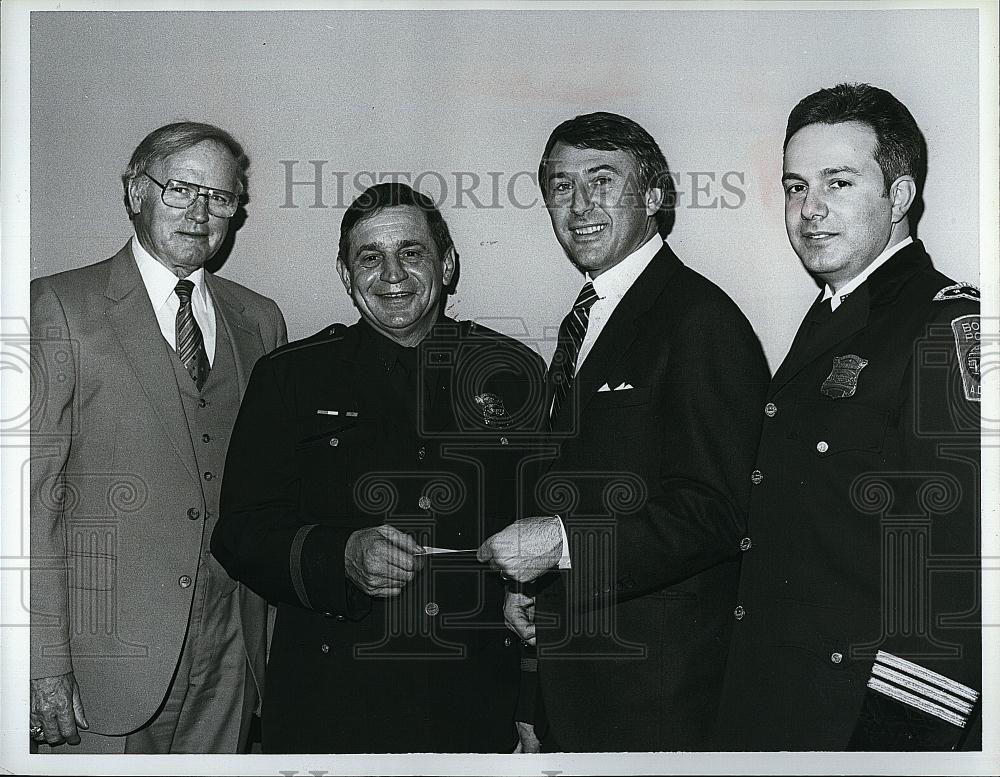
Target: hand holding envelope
[381, 560]
[526, 549]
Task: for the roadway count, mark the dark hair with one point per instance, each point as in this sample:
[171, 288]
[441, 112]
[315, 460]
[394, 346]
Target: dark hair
[391, 195]
[611, 132]
[179, 136]
[900, 148]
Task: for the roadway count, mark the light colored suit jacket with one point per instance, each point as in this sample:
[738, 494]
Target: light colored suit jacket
[115, 489]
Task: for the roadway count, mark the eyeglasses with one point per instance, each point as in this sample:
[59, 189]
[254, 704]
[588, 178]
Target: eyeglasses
[181, 194]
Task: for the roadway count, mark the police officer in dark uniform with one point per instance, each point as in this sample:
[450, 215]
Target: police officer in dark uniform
[359, 455]
[857, 622]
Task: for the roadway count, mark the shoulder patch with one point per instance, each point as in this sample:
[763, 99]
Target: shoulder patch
[958, 291]
[966, 331]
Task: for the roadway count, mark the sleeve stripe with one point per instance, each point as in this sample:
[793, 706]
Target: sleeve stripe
[929, 691]
[915, 670]
[295, 564]
[904, 697]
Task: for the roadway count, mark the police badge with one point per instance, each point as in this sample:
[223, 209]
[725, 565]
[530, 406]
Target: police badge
[843, 378]
[494, 413]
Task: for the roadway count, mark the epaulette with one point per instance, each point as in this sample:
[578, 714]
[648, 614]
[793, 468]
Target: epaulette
[331, 334]
[958, 291]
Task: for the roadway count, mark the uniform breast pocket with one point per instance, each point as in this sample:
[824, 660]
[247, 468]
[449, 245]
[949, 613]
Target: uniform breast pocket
[329, 452]
[838, 426]
[319, 433]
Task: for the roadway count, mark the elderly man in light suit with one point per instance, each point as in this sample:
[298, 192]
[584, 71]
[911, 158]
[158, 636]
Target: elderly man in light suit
[140, 642]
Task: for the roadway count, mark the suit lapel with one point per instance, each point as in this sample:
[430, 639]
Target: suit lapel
[848, 319]
[852, 316]
[617, 335]
[131, 317]
[243, 334]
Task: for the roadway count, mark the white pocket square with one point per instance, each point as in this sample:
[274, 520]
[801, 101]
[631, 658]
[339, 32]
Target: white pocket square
[605, 387]
[624, 387]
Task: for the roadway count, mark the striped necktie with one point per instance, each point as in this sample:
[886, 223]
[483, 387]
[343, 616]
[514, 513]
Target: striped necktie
[190, 344]
[571, 334]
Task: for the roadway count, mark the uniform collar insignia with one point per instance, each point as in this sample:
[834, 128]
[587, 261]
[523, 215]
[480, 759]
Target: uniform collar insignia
[843, 378]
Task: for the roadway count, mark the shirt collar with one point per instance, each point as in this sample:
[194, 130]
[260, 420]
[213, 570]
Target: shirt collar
[159, 281]
[861, 277]
[613, 283]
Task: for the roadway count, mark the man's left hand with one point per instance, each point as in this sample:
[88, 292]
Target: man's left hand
[526, 549]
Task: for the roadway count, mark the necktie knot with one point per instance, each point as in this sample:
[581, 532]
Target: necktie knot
[183, 290]
[587, 297]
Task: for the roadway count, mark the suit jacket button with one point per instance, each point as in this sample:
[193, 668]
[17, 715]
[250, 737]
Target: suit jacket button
[756, 477]
[334, 442]
[324, 648]
[424, 503]
[184, 581]
[202, 403]
[836, 657]
[822, 446]
[208, 476]
[745, 544]
[739, 612]
[770, 409]
[206, 438]
[432, 609]
[193, 513]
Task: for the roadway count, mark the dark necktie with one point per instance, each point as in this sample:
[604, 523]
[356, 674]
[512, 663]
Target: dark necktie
[190, 344]
[571, 334]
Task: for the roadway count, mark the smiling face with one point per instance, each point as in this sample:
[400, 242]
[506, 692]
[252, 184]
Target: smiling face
[395, 273]
[183, 239]
[838, 214]
[600, 212]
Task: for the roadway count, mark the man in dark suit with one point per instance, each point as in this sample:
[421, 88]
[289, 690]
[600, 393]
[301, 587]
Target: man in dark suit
[859, 619]
[358, 455]
[138, 636]
[654, 397]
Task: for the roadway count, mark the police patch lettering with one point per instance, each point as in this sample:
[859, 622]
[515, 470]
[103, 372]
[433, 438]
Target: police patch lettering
[843, 378]
[494, 412]
[966, 331]
[957, 291]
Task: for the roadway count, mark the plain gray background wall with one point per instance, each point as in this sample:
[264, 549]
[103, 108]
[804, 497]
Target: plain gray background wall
[449, 95]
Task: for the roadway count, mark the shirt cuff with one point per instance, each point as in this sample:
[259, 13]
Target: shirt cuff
[564, 562]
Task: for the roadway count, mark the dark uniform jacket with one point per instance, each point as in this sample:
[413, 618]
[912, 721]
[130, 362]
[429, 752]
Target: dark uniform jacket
[651, 483]
[347, 430]
[864, 527]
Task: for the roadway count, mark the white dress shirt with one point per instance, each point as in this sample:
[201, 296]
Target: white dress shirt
[611, 285]
[837, 297]
[160, 283]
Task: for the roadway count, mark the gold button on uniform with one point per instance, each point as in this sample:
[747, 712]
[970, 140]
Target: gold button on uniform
[424, 503]
[184, 581]
[334, 442]
[836, 657]
[745, 544]
[504, 441]
[822, 446]
[421, 453]
[739, 612]
[432, 609]
[770, 409]
[756, 477]
[324, 648]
